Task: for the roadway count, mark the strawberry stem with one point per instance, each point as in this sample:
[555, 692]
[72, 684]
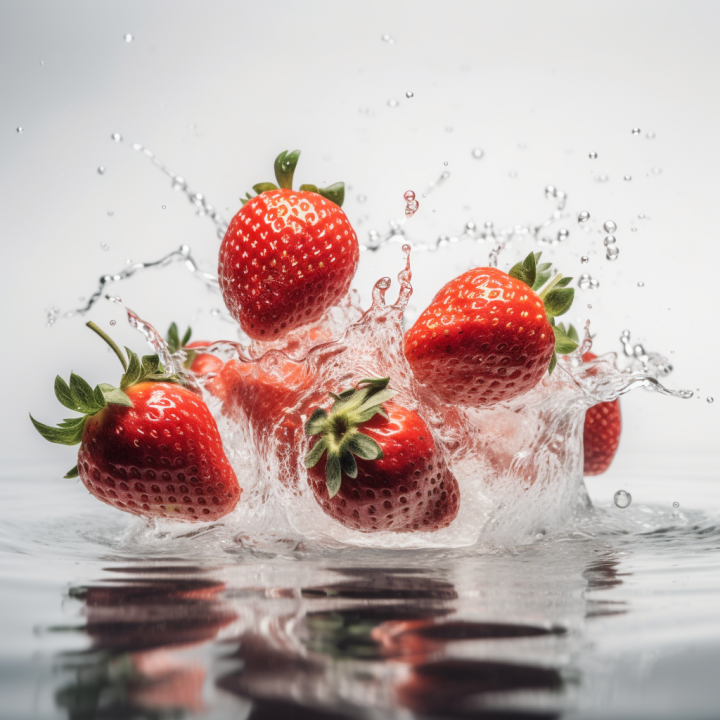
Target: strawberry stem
[549, 285]
[110, 342]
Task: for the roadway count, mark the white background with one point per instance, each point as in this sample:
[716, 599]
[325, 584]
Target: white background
[217, 89]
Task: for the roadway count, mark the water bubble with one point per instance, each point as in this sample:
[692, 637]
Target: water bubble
[563, 234]
[594, 284]
[622, 498]
[392, 103]
[470, 226]
[104, 246]
[583, 216]
[101, 170]
[650, 134]
[627, 178]
[424, 195]
[128, 37]
[477, 153]
[409, 94]
[589, 306]
[215, 312]
[445, 163]
[19, 130]
[612, 253]
[602, 178]
[361, 198]
[117, 137]
[364, 110]
[387, 38]
[584, 259]
[163, 207]
[178, 183]
[444, 176]
[448, 128]
[112, 322]
[636, 131]
[610, 240]
[641, 284]
[592, 155]
[137, 146]
[641, 216]
[656, 171]
[609, 226]
[550, 191]
[710, 400]
[110, 213]
[409, 195]
[512, 174]
[584, 282]
[676, 504]
[411, 204]
[633, 229]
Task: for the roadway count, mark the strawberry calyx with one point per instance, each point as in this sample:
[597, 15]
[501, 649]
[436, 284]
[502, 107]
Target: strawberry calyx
[79, 396]
[175, 343]
[285, 164]
[340, 437]
[556, 296]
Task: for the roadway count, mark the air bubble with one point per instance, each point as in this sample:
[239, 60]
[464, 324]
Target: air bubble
[676, 504]
[411, 204]
[656, 171]
[392, 103]
[650, 134]
[448, 128]
[609, 240]
[592, 155]
[116, 137]
[627, 178]
[636, 131]
[112, 322]
[387, 38]
[477, 153]
[602, 178]
[512, 174]
[584, 259]
[612, 253]
[163, 207]
[101, 170]
[563, 234]
[583, 216]
[711, 400]
[641, 284]
[104, 246]
[409, 94]
[19, 130]
[609, 226]
[128, 37]
[110, 213]
[215, 312]
[361, 198]
[622, 498]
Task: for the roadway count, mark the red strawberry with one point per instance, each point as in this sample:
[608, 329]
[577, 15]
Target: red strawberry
[150, 447]
[601, 434]
[287, 255]
[398, 481]
[487, 336]
[199, 363]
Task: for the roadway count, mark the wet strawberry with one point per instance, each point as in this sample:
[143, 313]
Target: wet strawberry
[150, 447]
[199, 363]
[287, 256]
[375, 466]
[487, 336]
[601, 434]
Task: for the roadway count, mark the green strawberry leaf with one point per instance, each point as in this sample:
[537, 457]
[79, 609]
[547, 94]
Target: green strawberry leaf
[83, 395]
[558, 302]
[564, 282]
[67, 435]
[572, 333]
[544, 267]
[264, 187]
[64, 394]
[348, 464]
[133, 372]
[563, 343]
[115, 396]
[333, 473]
[553, 363]
[540, 280]
[173, 338]
[316, 452]
[525, 271]
[285, 165]
[316, 423]
[72, 473]
[334, 193]
[364, 447]
[309, 188]
[186, 337]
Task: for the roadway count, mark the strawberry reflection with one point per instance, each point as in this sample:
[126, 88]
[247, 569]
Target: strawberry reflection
[145, 630]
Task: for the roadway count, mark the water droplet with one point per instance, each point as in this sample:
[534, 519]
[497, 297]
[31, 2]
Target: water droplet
[602, 178]
[563, 234]
[101, 170]
[215, 312]
[128, 37]
[650, 134]
[163, 207]
[609, 226]
[641, 216]
[409, 94]
[19, 130]
[110, 213]
[392, 103]
[592, 155]
[411, 204]
[583, 216]
[424, 195]
[128, 261]
[409, 195]
[656, 171]
[711, 400]
[636, 131]
[584, 259]
[364, 110]
[477, 153]
[622, 498]
[641, 284]
[117, 137]
[589, 306]
[178, 183]
[112, 322]
[676, 504]
[387, 38]
[470, 226]
[550, 191]
[594, 284]
[627, 178]
[512, 174]
[137, 146]
[444, 176]
[361, 198]
[612, 253]
[448, 128]
[445, 163]
[104, 246]
[610, 240]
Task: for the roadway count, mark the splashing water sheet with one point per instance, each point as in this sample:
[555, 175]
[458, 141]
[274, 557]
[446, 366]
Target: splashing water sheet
[535, 602]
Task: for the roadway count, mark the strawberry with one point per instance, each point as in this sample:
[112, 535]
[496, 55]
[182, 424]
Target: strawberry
[199, 363]
[387, 477]
[601, 434]
[287, 256]
[487, 336]
[150, 447]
